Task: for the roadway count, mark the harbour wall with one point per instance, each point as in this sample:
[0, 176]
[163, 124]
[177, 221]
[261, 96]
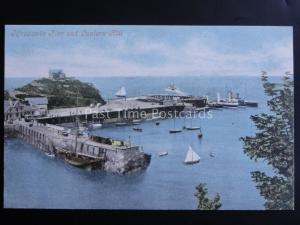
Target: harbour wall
[49, 139]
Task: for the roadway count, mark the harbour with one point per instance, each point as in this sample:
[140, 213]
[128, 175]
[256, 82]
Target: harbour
[153, 183]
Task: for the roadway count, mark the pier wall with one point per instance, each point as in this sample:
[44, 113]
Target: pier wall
[48, 139]
[109, 117]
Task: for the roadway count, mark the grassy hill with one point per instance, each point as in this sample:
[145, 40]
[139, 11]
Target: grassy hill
[61, 93]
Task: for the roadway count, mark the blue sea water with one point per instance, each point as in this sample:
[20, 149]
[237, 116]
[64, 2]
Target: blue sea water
[32, 180]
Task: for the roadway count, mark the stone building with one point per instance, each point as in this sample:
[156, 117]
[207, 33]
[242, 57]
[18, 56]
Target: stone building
[56, 74]
[14, 110]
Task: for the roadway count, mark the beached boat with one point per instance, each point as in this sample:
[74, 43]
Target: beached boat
[191, 156]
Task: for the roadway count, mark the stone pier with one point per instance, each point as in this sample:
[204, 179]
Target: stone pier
[52, 139]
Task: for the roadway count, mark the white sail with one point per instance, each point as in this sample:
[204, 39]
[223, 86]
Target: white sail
[121, 92]
[191, 156]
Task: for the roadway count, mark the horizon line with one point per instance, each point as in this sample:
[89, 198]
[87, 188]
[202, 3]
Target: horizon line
[110, 76]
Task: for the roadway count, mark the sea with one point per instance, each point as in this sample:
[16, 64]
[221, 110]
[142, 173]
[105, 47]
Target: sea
[33, 180]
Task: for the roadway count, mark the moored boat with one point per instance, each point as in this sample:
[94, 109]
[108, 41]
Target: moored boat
[211, 154]
[121, 124]
[50, 154]
[192, 128]
[251, 103]
[175, 131]
[76, 160]
[163, 153]
[137, 129]
[96, 125]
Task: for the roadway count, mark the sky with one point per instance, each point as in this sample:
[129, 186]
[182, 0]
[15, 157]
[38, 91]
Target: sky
[91, 50]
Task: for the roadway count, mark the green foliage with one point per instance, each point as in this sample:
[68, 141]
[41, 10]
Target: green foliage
[204, 203]
[63, 92]
[274, 142]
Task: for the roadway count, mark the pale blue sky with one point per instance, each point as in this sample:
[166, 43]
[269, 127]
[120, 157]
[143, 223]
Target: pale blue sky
[147, 50]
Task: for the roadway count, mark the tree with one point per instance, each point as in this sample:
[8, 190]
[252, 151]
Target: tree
[204, 203]
[274, 143]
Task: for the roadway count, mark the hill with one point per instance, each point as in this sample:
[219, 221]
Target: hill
[61, 93]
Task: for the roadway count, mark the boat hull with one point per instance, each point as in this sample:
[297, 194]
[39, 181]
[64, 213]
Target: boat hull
[76, 161]
[163, 154]
[121, 124]
[193, 162]
[192, 128]
[175, 131]
[137, 129]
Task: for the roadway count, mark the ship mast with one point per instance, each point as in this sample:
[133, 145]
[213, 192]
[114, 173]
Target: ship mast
[76, 122]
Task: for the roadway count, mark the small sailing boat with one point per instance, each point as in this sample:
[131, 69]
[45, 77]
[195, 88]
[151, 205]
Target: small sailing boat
[121, 92]
[191, 156]
[50, 154]
[163, 153]
[121, 124]
[192, 127]
[95, 125]
[211, 154]
[175, 130]
[136, 122]
[137, 129]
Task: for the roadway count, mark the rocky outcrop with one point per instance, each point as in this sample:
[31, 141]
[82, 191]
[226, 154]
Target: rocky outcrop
[123, 162]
